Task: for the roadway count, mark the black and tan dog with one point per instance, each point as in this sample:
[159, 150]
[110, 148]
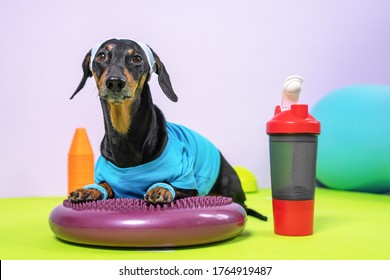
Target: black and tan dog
[143, 155]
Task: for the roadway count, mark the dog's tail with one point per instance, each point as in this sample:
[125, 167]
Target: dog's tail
[256, 214]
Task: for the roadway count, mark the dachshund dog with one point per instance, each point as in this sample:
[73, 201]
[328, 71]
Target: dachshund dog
[143, 155]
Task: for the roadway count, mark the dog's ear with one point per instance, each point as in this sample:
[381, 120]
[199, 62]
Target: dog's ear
[86, 73]
[163, 79]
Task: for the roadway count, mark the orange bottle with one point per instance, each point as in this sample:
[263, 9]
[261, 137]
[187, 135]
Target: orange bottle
[80, 161]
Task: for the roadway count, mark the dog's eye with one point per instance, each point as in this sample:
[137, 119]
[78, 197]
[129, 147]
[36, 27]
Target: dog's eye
[101, 57]
[137, 59]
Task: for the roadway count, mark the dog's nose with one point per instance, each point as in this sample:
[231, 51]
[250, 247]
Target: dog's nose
[115, 83]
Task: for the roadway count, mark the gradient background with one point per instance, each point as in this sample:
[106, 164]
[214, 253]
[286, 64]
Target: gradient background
[227, 60]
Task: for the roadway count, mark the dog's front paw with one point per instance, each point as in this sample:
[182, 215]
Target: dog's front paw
[158, 195]
[83, 195]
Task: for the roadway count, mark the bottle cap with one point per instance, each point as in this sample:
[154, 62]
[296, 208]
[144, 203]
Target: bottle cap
[295, 120]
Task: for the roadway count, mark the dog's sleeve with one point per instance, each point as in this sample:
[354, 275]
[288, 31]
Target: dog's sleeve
[199, 159]
[99, 188]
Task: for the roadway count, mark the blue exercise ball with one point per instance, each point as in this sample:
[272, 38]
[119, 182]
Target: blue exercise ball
[354, 145]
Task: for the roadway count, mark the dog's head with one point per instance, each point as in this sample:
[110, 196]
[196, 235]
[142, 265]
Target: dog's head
[121, 67]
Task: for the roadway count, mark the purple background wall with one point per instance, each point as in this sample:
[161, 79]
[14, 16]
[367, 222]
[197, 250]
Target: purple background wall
[227, 61]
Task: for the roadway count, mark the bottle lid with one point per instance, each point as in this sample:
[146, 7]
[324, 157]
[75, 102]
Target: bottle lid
[295, 120]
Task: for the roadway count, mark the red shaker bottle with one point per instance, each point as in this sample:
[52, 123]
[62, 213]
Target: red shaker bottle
[293, 139]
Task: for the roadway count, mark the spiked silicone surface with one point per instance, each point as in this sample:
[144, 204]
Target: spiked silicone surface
[131, 204]
[133, 223]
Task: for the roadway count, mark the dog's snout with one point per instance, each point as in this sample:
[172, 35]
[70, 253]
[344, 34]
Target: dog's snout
[115, 83]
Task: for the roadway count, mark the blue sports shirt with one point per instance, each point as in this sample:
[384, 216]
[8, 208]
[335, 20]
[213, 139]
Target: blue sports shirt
[189, 161]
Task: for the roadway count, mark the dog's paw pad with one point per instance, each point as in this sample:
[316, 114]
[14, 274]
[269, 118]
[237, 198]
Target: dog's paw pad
[83, 195]
[158, 195]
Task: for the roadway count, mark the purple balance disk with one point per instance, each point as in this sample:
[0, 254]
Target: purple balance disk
[132, 223]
